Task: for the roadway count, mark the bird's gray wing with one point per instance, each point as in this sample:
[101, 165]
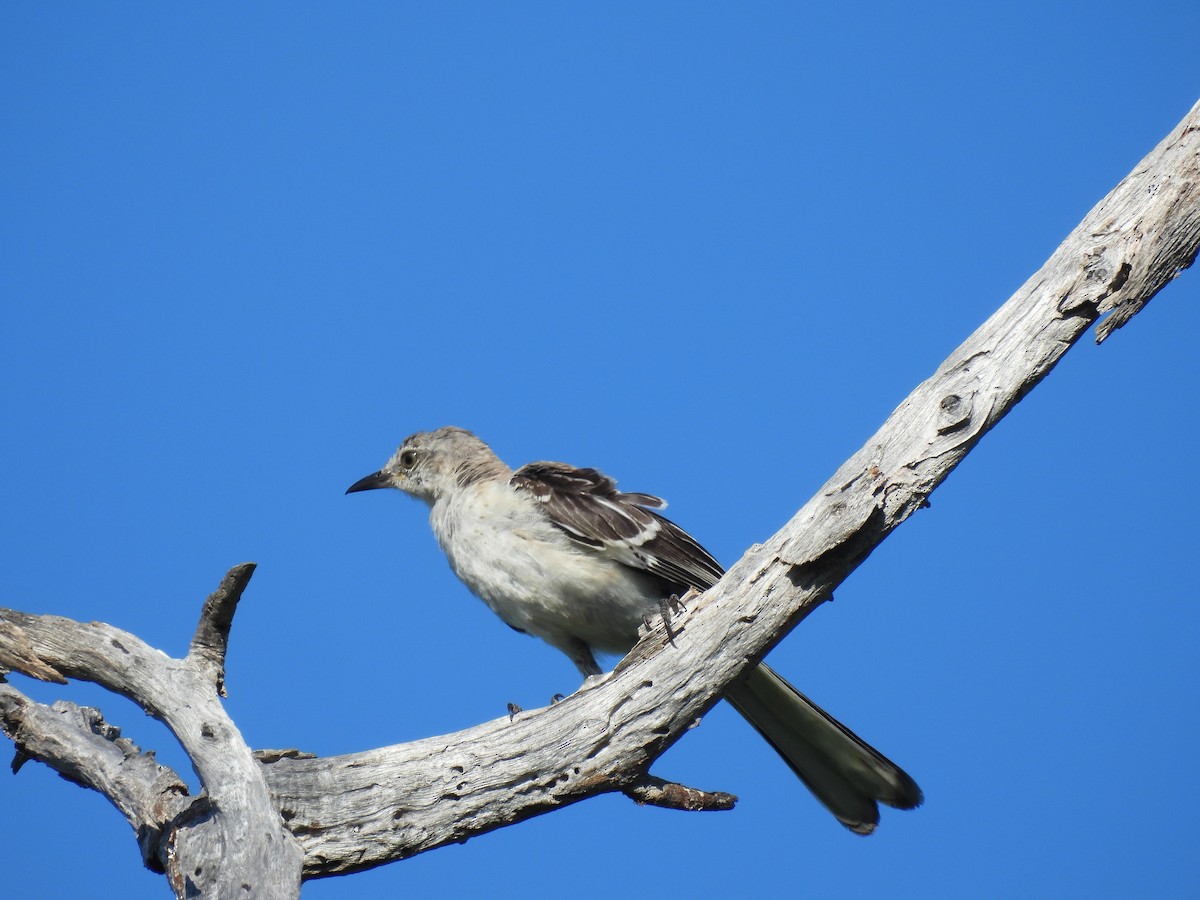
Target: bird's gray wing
[586, 505]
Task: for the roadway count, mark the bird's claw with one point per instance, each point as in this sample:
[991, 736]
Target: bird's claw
[668, 607]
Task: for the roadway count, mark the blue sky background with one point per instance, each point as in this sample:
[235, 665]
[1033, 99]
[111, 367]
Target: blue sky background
[704, 247]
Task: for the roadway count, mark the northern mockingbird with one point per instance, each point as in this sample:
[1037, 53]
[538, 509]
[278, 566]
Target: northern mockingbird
[561, 554]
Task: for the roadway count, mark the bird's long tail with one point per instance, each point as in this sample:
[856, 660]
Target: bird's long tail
[842, 770]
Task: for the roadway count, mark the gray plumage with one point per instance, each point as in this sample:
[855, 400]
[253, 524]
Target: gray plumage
[559, 553]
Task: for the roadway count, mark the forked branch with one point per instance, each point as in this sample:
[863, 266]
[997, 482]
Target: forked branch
[361, 810]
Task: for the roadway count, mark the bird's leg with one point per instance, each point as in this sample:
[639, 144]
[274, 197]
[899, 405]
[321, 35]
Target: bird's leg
[585, 661]
[668, 607]
[580, 654]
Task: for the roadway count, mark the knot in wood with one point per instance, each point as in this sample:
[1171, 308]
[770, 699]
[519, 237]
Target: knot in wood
[953, 413]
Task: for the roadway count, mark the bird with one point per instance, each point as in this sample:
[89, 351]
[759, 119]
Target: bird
[559, 553]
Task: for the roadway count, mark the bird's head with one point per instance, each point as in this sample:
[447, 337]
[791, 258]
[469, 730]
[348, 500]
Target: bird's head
[431, 464]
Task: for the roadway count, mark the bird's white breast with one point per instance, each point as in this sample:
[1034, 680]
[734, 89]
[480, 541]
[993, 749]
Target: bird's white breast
[502, 546]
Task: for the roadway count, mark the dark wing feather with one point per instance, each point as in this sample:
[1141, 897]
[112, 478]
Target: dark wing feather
[586, 505]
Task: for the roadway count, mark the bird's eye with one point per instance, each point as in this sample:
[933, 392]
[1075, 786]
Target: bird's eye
[408, 458]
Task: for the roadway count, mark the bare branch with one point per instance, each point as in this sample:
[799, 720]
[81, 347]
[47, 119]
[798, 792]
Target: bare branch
[1171, 234]
[445, 789]
[76, 742]
[17, 654]
[653, 791]
[361, 810]
[232, 836]
[211, 640]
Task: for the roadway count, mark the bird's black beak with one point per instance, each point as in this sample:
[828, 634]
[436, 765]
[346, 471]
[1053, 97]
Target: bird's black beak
[373, 481]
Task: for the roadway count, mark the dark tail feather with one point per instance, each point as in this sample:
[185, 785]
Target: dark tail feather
[842, 770]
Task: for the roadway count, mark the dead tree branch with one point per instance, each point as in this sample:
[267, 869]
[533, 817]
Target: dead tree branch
[211, 640]
[76, 742]
[230, 836]
[361, 810]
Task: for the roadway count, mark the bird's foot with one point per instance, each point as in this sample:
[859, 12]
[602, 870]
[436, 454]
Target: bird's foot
[667, 608]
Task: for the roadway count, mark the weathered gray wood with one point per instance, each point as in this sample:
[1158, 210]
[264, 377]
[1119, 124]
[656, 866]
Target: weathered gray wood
[77, 743]
[364, 809]
[228, 842]
[16, 652]
[410, 798]
[211, 639]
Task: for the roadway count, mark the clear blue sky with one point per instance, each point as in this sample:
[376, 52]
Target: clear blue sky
[704, 247]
